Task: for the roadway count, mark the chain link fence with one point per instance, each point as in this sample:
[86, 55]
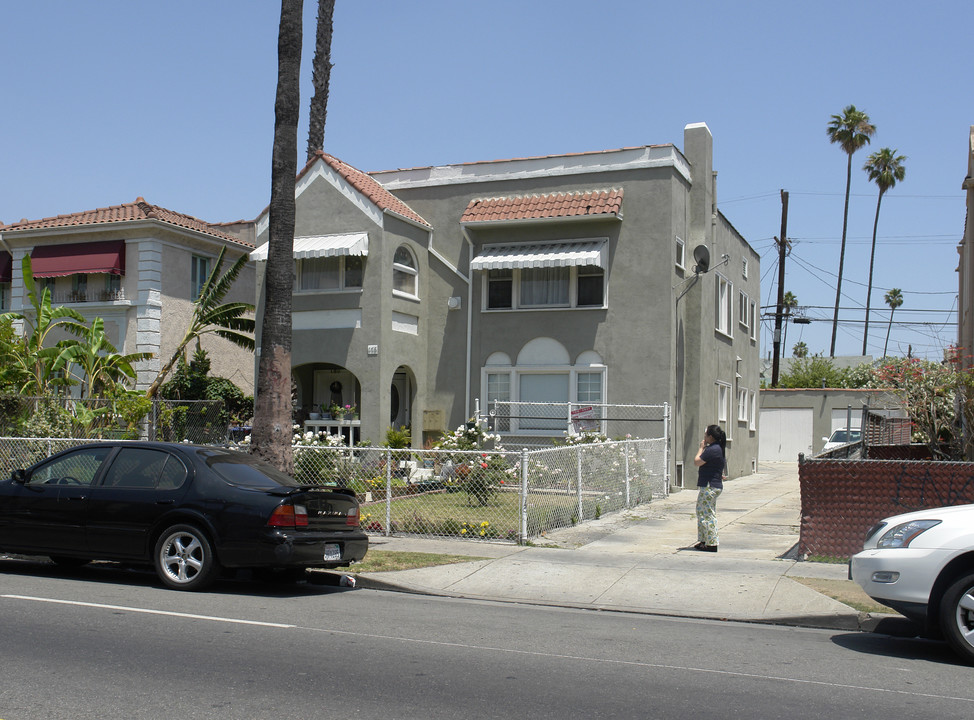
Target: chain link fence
[538, 424]
[123, 418]
[461, 494]
[489, 494]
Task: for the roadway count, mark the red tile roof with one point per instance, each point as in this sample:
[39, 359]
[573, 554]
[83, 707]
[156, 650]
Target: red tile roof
[531, 207]
[140, 210]
[370, 188]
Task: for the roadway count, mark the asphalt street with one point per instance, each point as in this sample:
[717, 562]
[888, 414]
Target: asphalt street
[105, 643]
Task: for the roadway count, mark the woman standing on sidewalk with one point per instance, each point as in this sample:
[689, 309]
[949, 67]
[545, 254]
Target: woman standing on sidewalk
[711, 462]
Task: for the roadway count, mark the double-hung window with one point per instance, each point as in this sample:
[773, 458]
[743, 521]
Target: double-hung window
[79, 288]
[724, 308]
[199, 271]
[723, 404]
[743, 310]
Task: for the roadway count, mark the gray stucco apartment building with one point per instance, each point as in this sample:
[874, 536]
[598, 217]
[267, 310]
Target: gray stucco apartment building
[420, 293]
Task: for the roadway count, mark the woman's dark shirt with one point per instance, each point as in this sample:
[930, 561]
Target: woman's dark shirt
[712, 471]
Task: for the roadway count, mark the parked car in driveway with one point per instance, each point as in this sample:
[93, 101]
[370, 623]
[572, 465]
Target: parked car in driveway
[921, 564]
[841, 437]
[190, 511]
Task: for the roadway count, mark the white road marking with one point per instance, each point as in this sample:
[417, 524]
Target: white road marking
[124, 608]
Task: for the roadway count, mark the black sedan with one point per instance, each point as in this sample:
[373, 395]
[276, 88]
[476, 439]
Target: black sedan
[191, 511]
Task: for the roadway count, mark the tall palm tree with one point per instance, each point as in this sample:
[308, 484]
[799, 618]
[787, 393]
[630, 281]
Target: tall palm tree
[885, 168]
[789, 303]
[894, 298]
[211, 315]
[320, 76]
[800, 350]
[271, 434]
[851, 130]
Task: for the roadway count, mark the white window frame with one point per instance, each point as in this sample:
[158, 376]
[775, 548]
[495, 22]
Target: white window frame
[754, 321]
[405, 270]
[752, 420]
[743, 406]
[573, 278]
[681, 254]
[723, 307]
[744, 268]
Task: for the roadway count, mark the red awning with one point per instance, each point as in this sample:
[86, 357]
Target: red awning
[6, 262]
[107, 256]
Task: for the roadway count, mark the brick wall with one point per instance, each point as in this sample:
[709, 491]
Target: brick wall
[842, 499]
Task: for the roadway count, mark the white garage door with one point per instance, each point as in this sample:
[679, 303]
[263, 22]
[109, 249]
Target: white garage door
[783, 433]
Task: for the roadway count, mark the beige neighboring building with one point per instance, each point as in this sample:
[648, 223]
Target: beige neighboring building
[965, 268]
[139, 267]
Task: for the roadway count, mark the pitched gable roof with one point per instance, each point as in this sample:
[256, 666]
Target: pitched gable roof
[139, 211]
[369, 188]
[537, 207]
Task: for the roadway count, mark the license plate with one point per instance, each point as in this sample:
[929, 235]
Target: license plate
[333, 551]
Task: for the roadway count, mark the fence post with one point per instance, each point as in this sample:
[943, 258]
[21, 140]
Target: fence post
[578, 474]
[388, 492]
[523, 505]
[626, 448]
[666, 448]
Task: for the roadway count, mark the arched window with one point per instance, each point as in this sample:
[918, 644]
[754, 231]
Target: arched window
[404, 273]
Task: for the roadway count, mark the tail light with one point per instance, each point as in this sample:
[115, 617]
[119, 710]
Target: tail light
[289, 516]
[353, 516]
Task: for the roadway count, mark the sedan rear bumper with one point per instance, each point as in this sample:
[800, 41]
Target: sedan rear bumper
[289, 548]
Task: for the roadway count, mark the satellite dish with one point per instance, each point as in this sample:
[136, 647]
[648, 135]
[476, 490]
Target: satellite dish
[701, 255]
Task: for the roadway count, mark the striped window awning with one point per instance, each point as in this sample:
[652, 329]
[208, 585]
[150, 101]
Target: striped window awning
[317, 246]
[539, 255]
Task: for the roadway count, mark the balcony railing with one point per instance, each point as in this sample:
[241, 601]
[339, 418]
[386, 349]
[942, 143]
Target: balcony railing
[89, 296]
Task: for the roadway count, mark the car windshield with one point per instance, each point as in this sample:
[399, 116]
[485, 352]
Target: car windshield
[246, 471]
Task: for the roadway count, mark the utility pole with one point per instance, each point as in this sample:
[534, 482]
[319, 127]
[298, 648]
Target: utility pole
[782, 241]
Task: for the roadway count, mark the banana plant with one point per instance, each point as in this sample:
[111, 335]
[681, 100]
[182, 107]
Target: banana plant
[33, 367]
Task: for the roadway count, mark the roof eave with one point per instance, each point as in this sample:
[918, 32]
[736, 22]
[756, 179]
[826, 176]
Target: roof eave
[124, 225]
[617, 217]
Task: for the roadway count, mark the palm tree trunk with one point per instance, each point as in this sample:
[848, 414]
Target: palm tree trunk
[271, 435]
[888, 328]
[838, 284]
[321, 76]
[869, 287]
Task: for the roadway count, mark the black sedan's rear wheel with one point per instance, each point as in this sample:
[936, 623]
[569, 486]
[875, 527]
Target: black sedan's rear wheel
[184, 558]
[957, 616]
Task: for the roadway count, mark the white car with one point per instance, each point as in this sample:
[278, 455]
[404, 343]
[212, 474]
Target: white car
[842, 437]
[921, 564]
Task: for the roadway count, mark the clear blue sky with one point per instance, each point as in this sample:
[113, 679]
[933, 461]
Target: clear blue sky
[106, 101]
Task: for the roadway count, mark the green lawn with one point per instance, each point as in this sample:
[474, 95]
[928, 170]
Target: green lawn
[458, 515]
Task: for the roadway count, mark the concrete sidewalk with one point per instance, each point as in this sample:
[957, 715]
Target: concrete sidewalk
[638, 561]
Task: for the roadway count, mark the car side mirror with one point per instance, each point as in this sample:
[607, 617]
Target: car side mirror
[825, 439]
[18, 476]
